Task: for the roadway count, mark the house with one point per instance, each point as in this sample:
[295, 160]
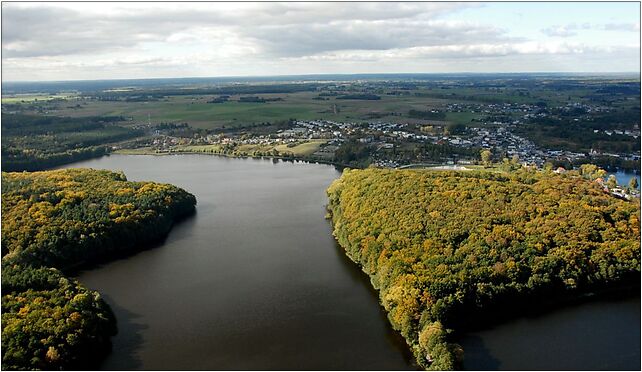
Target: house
[600, 181]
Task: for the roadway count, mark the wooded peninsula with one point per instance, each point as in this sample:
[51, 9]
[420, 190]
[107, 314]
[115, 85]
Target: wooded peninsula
[444, 248]
[53, 221]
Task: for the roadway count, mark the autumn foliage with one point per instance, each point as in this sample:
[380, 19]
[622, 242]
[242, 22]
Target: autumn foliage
[442, 246]
[59, 219]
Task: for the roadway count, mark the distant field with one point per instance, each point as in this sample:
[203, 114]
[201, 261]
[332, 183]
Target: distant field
[137, 151]
[304, 105]
[462, 117]
[34, 97]
[303, 149]
[195, 110]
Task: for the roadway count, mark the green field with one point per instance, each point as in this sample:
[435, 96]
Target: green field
[195, 110]
[29, 98]
[303, 149]
[300, 149]
[306, 148]
[393, 105]
[462, 117]
[137, 151]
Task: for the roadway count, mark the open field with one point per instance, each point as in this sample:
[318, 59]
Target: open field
[462, 117]
[195, 110]
[556, 114]
[137, 151]
[394, 105]
[303, 149]
[24, 98]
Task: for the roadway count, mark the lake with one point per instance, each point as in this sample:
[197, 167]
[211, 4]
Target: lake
[255, 280]
[623, 177]
[602, 334]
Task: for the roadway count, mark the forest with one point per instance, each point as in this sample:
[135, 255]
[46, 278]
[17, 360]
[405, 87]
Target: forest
[569, 134]
[38, 142]
[446, 249]
[56, 220]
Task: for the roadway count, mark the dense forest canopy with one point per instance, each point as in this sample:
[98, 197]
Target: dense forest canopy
[442, 246]
[39, 142]
[58, 219]
[50, 321]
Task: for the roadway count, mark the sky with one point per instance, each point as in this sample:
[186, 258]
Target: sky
[85, 41]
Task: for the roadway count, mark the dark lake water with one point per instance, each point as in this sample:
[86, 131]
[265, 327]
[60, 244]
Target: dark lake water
[255, 280]
[597, 335]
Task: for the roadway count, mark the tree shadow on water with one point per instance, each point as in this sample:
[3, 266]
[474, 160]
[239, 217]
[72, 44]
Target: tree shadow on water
[393, 337]
[476, 354]
[127, 342]
[103, 259]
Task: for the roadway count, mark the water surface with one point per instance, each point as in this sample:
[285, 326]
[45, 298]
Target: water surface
[255, 280]
[597, 335]
[623, 177]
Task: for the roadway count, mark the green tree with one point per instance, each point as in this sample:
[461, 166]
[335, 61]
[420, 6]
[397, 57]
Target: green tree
[63, 218]
[485, 157]
[592, 171]
[611, 182]
[443, 247]
[515, 159]
[633, 183]
[588, 170]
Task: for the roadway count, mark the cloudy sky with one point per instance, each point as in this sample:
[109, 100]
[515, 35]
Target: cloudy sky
[69, 41]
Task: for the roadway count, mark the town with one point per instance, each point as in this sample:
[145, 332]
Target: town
[388, 142]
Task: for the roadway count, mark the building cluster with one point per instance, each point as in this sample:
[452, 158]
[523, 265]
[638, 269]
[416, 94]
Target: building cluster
[630, 133]
[494, 128]
[618, 191]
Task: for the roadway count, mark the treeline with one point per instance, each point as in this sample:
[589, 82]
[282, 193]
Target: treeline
[610, 163]
[489, 98]
[353, 153]
[446, 248]
[155, 94]
[567, 134]
[14, 161]
[437, 153]
[38, 142]
[257, 99]
[24, 125]
[233, 150]
[364, 96]
[427, 152]
[427, 115]
[56, 220]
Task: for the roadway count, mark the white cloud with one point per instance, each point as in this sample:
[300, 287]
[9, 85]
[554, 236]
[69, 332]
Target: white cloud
[560, 31]
[108, 40]
[463, 51]
[572, 29]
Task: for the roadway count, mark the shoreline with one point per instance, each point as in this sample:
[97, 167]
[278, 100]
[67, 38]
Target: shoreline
[311, 161]
[436, 340]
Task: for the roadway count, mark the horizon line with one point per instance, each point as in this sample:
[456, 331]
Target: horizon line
[638, 73]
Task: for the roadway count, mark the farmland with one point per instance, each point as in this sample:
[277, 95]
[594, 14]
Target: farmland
[195, 110]
[567, 120]
[296, 149]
